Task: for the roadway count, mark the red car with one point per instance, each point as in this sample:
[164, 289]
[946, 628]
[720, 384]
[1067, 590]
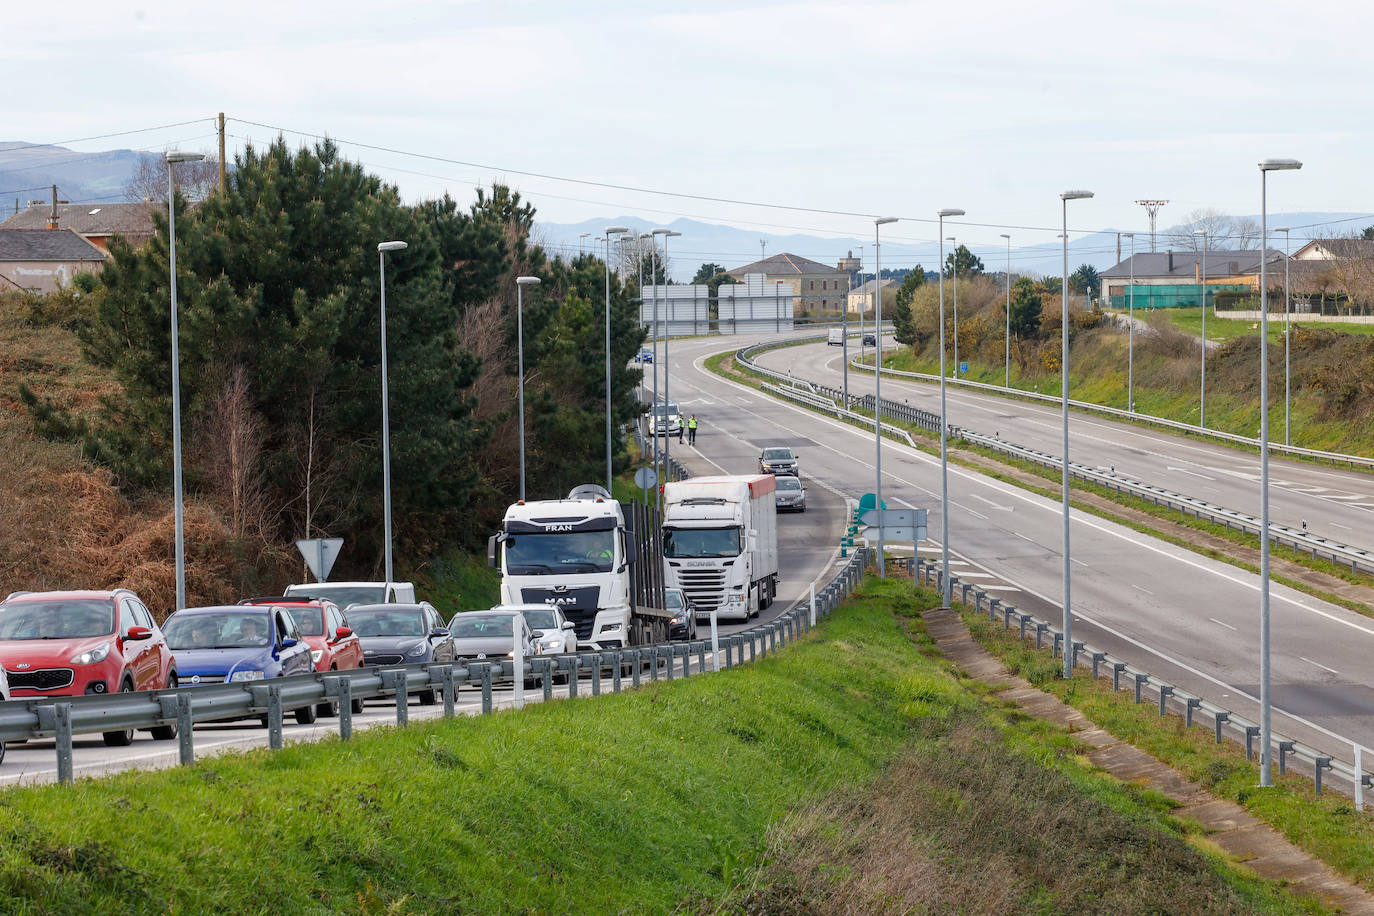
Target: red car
[84, 643]
[333, 645]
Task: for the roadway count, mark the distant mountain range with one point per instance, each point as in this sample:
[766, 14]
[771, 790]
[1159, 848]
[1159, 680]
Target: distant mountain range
[28, 172]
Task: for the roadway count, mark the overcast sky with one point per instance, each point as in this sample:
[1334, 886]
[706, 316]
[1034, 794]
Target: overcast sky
[863, 107]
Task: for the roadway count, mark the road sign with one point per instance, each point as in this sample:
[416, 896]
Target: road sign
[895, 534]
[645, 478]
[901, 518]
[868, 501]
[320, 554]
[963, 367]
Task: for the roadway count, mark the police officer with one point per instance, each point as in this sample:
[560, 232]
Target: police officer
[692, 430]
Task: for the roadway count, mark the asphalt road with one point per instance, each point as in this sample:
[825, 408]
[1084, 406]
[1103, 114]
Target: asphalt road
[1336, 503]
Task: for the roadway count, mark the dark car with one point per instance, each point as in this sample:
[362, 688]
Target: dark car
[490, 636]
[778, 461]
[684, 625]
[84, 643]
[870, 340]
[236, 643]
[402, 634]
[790, 494]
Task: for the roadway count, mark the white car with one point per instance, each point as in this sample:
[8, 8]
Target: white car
[665, 419]
[554, 632]
[347, 594]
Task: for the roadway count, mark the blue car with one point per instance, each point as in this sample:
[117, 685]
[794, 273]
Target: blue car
[645, 355]
[216, 645]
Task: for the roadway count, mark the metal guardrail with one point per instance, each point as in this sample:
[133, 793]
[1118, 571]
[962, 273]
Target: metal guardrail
[61, 718]
[1170, 697]
[1116, 412]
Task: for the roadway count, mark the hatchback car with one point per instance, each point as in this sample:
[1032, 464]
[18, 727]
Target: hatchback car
[778, 461]
[645, 355]
[490, 636]
[790, 495]
[322, 626]
[870, 340]
[402, 634]
[684, 623]
[665, 419]
[237, 643]
[84, 643]
[553, 631]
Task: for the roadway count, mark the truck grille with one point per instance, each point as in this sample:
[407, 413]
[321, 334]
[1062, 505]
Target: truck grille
[43, 679]
[706, 587]
[582, 621]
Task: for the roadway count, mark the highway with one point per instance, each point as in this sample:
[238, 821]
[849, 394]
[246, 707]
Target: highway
[1336, 503]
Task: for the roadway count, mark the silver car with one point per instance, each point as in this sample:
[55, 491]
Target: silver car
[779, 461]
[791, 495]
[489, 636]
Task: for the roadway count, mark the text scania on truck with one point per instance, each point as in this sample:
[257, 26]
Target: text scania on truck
[576, 554]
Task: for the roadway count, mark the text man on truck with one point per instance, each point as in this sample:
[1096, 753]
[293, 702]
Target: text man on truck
[720, 543]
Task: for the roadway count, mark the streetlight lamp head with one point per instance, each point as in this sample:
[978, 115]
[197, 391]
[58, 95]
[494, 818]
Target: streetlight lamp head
[670, 234]
[1276, 165]
[527, 281]
[660, 232]
[1200, 232]
[391, 246]
[951, 211]
[1003, 235]
[949, 238]
[173, 155]
[884, 220]
[1128, 235]
[1283, 229]
[1075, 195]
[616, 230]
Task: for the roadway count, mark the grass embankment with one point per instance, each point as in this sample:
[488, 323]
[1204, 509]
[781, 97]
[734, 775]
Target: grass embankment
[1327, 826]
[1189, 321]
[849, 773]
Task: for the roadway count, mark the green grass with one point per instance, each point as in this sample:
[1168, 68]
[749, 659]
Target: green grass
[1189, 321]
[1326, 826]
[703, 795]
[457, 582]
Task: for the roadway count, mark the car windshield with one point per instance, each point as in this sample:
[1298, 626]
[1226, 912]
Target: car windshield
[309, 620]
[541, 620]
[776, 454]
[470, 626]
[665, 410]
[788, 483]
[345, 596]
[386, 623]
[553, 552]
[701, 542]
[216, 631]
[56, 619]
[672, 599]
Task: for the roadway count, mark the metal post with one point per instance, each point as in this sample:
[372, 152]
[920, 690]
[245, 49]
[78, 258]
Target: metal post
[486, 688]
[715, 644]
[653, 403]
[878, 378]
[812, 603]
[345, 694]
[402, 697]
[954, 275]
[517, 664]
[667, 332]
[274, 717]
[1007, 357]
[1202, 394]
[63, 738]
[520, 284]
[609, 230]
[1287, 342]
[450, 690]
[1359, 778]
[1130, 331]
[1064, 199]
[176, 398]
[186, 746]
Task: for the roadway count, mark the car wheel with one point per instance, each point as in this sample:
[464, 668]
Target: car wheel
[2, 752]
[305, 715]
[166, 732]
[359, 704]
[428, 697]
[125, 737]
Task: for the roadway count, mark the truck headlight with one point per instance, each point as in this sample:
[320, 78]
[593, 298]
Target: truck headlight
[248, 674]
[92, 656]
[611, 628]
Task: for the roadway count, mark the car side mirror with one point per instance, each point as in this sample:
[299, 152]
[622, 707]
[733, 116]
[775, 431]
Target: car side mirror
[288, 642]
[343, 633]
[537, 634]
[439, 632]
[567, 625]
[139, 633]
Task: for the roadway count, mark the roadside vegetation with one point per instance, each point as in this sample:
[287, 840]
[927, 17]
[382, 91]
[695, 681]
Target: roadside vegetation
[849, 773]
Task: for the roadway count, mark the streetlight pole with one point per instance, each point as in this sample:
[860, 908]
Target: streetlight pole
[174, 157]
[382, 249]
[667, 332]
[954, 272]
[1287, 341]
[1130, 330]
[1064, 199]
[657, 418]
[1007, 358]
[946, 588]
[581, 245]
[1266, 736]
[520, 284]
[878, 381]
[617, 230]
[1202, 394]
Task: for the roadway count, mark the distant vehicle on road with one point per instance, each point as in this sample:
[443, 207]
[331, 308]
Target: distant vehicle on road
[556, 634]
[665, 419]
[347, 594]
[322, 626]
[870, 340]
[684, 625]
[490, 636]
[236, 643]
[402, 634]
[835, 338]
[645, 355]
[779, 461]
[791, 495]
[84, 643]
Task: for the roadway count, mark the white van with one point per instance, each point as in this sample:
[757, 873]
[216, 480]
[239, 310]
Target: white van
[836, 338]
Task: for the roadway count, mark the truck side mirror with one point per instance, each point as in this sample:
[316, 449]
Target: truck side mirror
[631, 549]
[491, 552]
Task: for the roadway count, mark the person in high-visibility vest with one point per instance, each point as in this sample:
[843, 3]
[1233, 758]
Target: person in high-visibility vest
[692, 430]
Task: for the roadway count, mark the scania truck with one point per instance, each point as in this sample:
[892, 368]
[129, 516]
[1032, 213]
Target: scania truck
[576, 554]
[720, 543]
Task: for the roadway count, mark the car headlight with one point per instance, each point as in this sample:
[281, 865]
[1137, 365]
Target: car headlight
[554, 645]
[91, 656]
[316, 655]
[247, 674]
[417, 650]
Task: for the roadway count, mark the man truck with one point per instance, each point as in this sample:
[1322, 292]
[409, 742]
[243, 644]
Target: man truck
[720, 543]
[576, 554]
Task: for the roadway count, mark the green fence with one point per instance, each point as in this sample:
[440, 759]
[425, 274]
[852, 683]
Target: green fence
[1177, 295]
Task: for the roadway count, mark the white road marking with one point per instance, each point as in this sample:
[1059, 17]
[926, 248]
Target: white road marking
[1332, 524]
[1078, 561]
[999, 588]
[1222, 623]
[1192, 473]
[994, 505]
[1139, 589]
[1318, 664]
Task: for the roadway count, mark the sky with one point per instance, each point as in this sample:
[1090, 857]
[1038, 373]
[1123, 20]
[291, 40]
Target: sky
[829, 113]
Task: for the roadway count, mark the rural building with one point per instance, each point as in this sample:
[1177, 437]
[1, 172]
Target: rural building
[96, 223]
[44, 260]
[861, 298]
[815, 287]
[1173, 279]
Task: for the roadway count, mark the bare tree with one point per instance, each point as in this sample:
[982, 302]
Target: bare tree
[195, 180]
[232, 455]
[1225, 232]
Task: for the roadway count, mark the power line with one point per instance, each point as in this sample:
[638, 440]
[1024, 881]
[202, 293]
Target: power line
[122, 133]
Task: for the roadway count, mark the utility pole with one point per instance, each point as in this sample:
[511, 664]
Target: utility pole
[763, 246]
[1152, 208]
[221, 151]
[52, 217]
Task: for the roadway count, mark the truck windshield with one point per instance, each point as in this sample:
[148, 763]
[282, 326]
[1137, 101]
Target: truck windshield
[554, 552]
[701, 542]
